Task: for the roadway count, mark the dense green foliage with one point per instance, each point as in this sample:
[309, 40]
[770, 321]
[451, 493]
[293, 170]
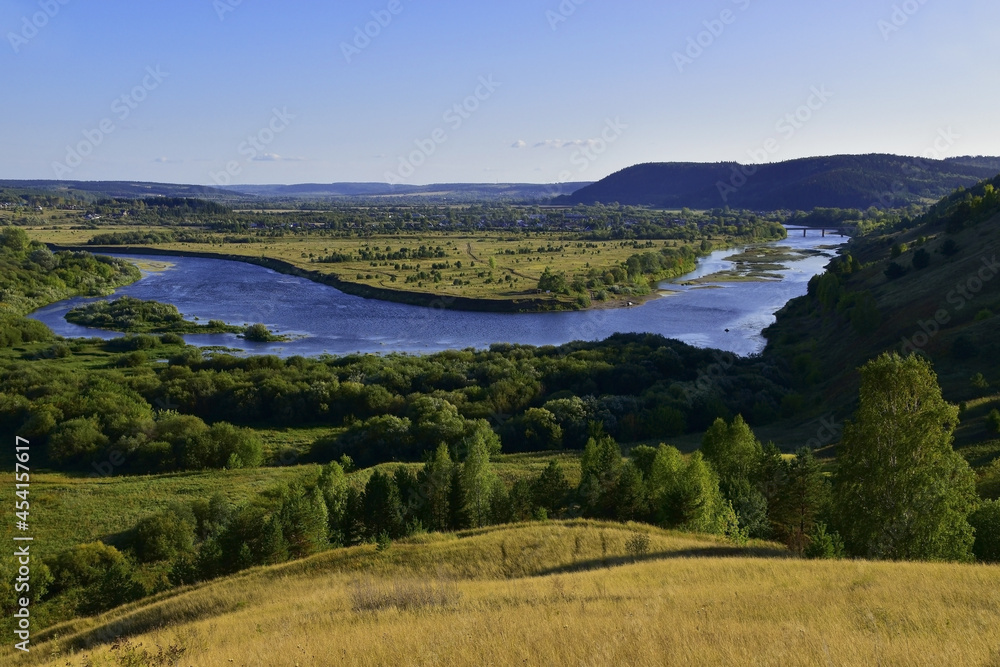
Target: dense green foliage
[137, 316]
[32, 276]
[386, 408]
[902, 492]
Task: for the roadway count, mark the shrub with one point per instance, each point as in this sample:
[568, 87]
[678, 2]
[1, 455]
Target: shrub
[984, 314]
[823, 544]
[894, 271]
[993, 421]
[637, 545]
[161, 537]
[921, 259]
[259, 333]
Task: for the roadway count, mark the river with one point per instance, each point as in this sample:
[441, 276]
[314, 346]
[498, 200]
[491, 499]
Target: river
[325, 320]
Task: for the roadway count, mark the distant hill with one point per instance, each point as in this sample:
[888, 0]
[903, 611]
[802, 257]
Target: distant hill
[345, 192]
[117, 189]
[839, 181]
[460, 191]
[986, 161]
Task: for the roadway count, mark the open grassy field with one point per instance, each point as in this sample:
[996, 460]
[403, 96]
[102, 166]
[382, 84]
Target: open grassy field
[552, 594]
[491, 266]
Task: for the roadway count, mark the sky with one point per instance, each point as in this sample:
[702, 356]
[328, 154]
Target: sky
[217, 92]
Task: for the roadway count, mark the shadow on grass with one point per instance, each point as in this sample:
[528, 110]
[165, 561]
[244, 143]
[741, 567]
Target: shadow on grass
[698, 552]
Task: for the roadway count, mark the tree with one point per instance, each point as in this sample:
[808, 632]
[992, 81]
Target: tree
[553, 282]
[236, 447]
[630, 502]
[541, 430]
[734, 452]
[799, 503]
[383, 511]
[600, 468]
[550, 489]
[664, 486]
[478, 480]
[921, 259]
[701, 507]
[334, 486]
[304, 517]
[161, 537]
[435, 485]
[901, 491]
[76, 441]
[986, 521]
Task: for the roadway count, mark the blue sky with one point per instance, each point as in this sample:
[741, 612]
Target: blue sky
[216, 91]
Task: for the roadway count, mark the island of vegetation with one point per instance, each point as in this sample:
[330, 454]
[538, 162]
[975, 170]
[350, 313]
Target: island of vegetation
[135, 316]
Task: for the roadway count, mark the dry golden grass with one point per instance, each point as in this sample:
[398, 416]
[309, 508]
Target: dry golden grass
[563, 593]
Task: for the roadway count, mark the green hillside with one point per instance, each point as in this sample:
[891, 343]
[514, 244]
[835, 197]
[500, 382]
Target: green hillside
[940, 300]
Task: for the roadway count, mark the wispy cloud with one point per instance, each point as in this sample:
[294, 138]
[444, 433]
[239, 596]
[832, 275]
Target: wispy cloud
[166, 160]
[520, 143]
[565, 143]
[274, 157]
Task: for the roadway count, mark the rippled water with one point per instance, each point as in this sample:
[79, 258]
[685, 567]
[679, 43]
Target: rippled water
[337, 323]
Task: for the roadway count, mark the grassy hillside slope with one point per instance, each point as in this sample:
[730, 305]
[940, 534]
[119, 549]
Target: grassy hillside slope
[556, 593]
[946, 311]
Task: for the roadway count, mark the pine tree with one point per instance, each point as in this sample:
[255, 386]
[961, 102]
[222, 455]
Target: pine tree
[551, 489]
[458, 518]
[383, 511]
[803, 497]
[303, 517]
[901, 491]
[435, 487]
[600, 468]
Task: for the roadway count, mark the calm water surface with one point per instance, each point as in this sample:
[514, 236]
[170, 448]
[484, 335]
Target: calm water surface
[330, 321]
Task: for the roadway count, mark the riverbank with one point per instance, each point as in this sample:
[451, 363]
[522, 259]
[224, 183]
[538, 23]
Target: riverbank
[526, 303]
